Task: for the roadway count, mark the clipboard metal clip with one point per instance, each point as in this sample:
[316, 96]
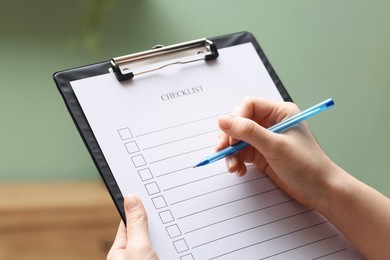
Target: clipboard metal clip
[125, 67]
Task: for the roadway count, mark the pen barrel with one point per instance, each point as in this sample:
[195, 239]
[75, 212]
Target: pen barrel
[292, 121]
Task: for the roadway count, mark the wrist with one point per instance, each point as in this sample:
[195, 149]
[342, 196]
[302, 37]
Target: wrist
[335, 183]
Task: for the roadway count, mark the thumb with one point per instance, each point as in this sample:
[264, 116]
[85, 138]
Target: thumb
[247, 130]
[136, 220]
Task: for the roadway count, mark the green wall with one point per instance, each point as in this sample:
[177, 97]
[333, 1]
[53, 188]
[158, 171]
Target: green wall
[320, 49]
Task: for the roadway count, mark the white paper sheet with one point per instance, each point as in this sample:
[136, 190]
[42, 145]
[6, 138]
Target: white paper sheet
[154, 128]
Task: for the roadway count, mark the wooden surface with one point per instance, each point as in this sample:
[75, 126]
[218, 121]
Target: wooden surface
[73, 220]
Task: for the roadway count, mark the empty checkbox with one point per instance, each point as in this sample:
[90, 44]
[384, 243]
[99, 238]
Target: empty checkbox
[180, 245]
[125, 133]
[166, 216]
[132, 147]
[187, 257]
[138, 160]
[159, 202]
[152, 188]
[145, 174]
[173, 231]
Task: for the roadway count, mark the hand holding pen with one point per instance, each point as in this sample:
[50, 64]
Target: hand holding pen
[277, 128]
[293, 160]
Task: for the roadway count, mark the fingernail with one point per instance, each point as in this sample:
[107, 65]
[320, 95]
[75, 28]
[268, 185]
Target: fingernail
[217, 143]
[230, 163]
[226, 121]
[131, 201]
[239, 174]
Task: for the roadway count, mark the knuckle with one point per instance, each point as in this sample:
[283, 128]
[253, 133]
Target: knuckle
[136, 218]
[248, 128]
[292, 107]
[280, 143]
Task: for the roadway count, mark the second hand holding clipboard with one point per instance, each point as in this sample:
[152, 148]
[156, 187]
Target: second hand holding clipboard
[278, 128]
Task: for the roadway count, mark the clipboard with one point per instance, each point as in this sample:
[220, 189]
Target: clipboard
[135, 67]
[63, 79]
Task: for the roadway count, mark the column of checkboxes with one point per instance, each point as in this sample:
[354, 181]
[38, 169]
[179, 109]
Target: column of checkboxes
[174, 233]
[154, 191]
[131, 147]
[144, 173]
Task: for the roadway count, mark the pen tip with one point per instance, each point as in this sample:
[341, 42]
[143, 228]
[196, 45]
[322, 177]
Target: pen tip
[201, 163]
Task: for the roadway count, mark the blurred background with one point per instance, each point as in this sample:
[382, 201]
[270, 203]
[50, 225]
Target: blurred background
[50, 191]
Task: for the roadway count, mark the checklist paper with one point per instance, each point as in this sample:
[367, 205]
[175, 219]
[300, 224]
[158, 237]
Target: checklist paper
[154, 128]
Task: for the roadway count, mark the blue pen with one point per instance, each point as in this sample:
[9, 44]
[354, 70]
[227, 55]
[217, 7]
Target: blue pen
[278, 128]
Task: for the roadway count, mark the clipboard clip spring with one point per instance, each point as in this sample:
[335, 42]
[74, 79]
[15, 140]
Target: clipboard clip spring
[125, 67]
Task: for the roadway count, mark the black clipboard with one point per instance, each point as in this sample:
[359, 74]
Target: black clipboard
[63, 79]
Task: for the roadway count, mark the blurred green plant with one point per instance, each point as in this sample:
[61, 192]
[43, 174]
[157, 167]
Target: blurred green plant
[93, 15]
